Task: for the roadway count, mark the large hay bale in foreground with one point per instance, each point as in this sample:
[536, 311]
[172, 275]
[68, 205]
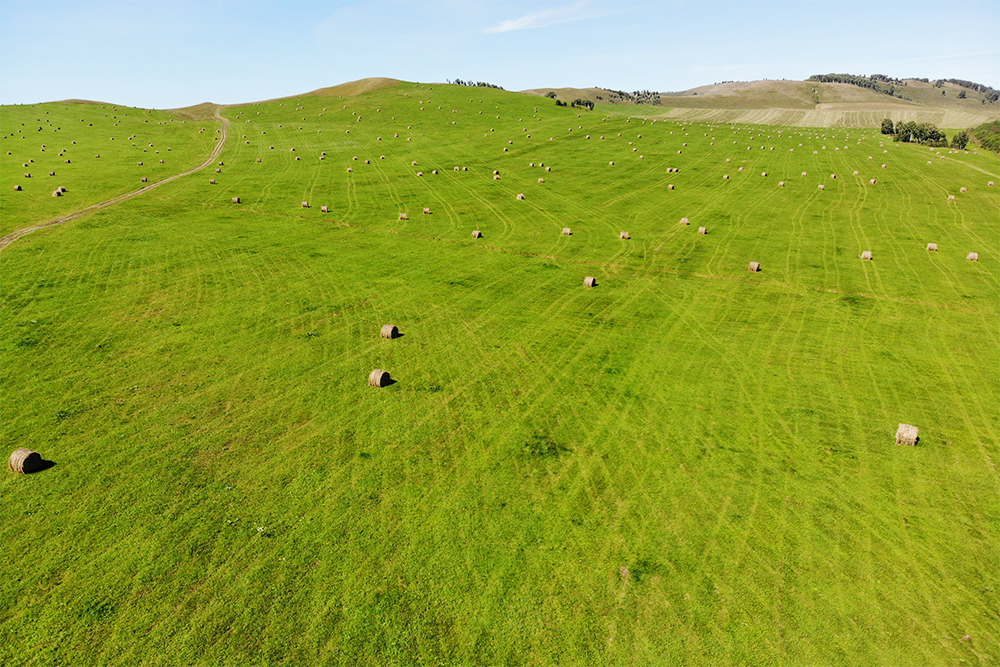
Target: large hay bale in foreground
[25, 461]
[907, 435]
[379, 378]
[754, 267]
[390, 331]
[932, 247]
[867, 254]
[590, 281]
[973, 257]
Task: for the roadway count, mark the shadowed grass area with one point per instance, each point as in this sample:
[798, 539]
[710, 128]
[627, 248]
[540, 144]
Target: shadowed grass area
[228, 488]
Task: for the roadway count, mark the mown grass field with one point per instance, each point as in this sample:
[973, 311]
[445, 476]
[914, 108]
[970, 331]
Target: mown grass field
[228, 490]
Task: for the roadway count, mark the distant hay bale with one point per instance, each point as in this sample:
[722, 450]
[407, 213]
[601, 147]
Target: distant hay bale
[740, 169]
[27, 175]
[963, 190]
[727, 160]
[496, 177]
[379, 378]
[390, 331]
[427, 211]
[25, 461]
[218, 171]
[477, 234]
[612, 163]
[413, 164]
[140, 164]
[973, 257]
[670, 186]
[781, 184]
[434, 171]
[305, 204]
[350, 170]
[624, 236]
[297, 158]
[541, 180]
[821, 187]
[883, 166]
[907, 435]
[548, 169]
[56, 193]
[763, 173]
[324, 209]
[873, 182]
[754, 267]
[855, 173]
[420, 173]
[703, 230]
[496, 172]
[930, 162]
[211, 181]
[52, 173]
[833, 176]
[258, 159]
[990, 184]
[685, 221]
[566, 231]
[61, 189]
[951, 197]
[465, 169]
[932, 247]
[236, 200]
[725, 177]
[17, 188]
[144, 179]
[867, 254]
[520, 195]
[402, 216]
[368, 161]
[805, 173]
[590, 281]
[457, 169]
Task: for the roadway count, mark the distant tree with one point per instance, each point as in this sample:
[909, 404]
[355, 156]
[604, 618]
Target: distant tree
[887, 126]
[961, 94]
[960, 140]
[551, 94]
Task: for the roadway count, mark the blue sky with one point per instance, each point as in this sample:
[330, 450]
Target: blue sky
[174, 53]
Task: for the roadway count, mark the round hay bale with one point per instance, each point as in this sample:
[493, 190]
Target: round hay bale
[324, 209]
[907, 435]
[52, 173]
[402, 216]
[867, 254]
[990, 184]
[685, 221]
[496, 177]
[781, 184]
[754, 267]
[305, 204]
[25, 461]
[144, 180]
[258, 159]
[763, 173]
[56, 193]
[963, 190]
[520, 195]
[670, 186]
[624, 236]
[390, 331]
[804, 173]
[477, 234]
[833, 176]
[951, 197]
[61, 189]
[427, 211]
[567, 232]
[740, 169]
[218, 171]
[590, 281]
[379, 378]
[27, 175]
[821, 187]
[703, 230]
[883, 166]
[548, 169]
[612, 163]
[973, 257]
[725, 177]
[932, 247]
[17, 188]
[855, 173]
[211, 181]
[727, 159]
[236, 200]
[872, 182]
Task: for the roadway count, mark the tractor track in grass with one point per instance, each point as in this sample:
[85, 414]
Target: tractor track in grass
[216, 152]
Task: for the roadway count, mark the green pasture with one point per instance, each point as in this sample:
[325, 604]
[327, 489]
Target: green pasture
[46, 136]
[687, 464]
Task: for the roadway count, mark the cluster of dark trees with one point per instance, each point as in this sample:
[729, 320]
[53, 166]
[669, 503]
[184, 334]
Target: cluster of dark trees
[990, 94]
[637, 97]
[923, 133]
[880, 83]
[989, 135]
[476, 84]
[583, 104]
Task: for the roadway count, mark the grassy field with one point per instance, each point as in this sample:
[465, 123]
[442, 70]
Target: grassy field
[94, 150]
[688, 464]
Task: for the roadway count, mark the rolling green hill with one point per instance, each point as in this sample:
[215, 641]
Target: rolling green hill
[686, 464]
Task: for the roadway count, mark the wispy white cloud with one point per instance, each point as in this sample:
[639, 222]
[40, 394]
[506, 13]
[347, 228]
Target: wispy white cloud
[545, 17]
